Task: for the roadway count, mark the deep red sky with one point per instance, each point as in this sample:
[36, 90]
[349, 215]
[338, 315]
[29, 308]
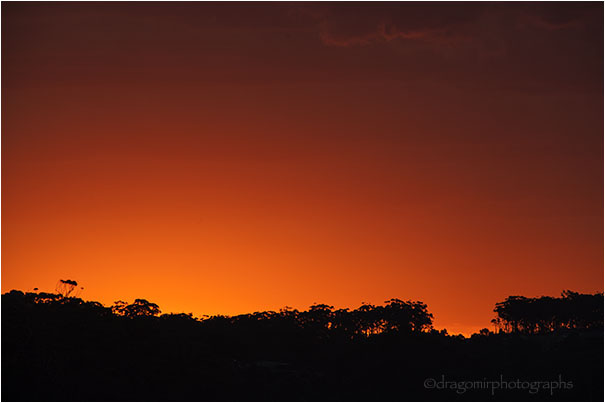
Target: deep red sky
[229, 158]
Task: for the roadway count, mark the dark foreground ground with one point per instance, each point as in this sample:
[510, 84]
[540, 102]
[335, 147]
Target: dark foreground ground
[83, 352]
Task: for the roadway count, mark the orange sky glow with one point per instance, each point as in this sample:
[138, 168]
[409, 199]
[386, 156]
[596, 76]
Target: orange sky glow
[231, 158]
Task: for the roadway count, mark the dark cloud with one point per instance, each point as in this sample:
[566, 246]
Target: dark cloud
[365, 24]
[443, 24]
[499, 45]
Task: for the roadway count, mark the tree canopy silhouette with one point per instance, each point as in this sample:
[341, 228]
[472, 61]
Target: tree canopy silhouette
[139, 308]
[64, 348]
[67, 288]
[546, 314]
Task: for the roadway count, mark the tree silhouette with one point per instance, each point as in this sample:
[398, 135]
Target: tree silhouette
[369, 319]
[319, 317]
[546, 314]
[67, 288]
[139, 308]
[407, 316]
[58, 348]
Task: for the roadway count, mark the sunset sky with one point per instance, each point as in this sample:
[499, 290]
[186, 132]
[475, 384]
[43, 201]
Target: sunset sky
[230, 158]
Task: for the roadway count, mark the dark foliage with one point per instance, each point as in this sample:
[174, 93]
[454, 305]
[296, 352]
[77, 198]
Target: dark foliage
[58, 348]
[547, 314]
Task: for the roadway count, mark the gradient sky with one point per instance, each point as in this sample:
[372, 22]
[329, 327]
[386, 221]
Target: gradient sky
[230, 158]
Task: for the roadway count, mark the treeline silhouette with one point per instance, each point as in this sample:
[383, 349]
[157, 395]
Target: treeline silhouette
[546, 314]
[56, 347]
